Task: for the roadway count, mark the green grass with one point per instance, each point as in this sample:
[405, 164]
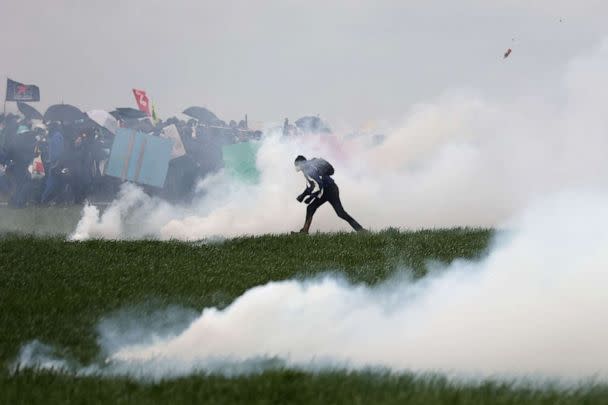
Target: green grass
[57, 292]
[280, 387]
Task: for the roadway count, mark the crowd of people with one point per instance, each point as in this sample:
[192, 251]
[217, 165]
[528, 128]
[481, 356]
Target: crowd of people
[55, 162]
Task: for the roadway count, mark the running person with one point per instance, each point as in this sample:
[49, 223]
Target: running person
[320, 188]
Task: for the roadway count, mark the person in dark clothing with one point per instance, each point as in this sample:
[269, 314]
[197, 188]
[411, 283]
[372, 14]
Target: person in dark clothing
[5, 185]
[53, 164]
[9, 132]
[79, 164]
[320, 188]
[21, 154]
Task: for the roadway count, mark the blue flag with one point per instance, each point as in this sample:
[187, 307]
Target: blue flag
[16, 91]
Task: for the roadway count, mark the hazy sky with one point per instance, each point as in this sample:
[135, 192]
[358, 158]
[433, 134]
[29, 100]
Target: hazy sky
[351, 61]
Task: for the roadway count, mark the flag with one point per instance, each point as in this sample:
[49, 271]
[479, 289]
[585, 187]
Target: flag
[16, 91]
[142, 101]
[154, 116]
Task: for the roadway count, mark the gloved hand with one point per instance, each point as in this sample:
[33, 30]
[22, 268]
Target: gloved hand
[300, 197]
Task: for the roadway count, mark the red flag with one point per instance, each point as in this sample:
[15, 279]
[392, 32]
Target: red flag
[142, 101]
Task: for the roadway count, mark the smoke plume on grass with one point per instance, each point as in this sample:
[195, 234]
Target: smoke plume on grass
[533, 307]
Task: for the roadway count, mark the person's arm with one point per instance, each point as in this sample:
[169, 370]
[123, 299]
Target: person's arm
[309, 187]
[317, 189]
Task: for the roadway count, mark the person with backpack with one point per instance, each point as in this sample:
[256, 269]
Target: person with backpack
[320, 188]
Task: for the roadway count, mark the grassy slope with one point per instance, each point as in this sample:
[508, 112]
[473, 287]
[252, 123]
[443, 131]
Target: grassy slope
[57, 291]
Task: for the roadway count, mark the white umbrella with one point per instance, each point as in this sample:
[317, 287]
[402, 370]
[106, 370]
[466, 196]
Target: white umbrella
[182, 117]
[104, 119]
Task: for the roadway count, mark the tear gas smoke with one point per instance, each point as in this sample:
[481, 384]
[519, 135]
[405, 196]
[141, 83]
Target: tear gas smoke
[534, 307]
[463, 160]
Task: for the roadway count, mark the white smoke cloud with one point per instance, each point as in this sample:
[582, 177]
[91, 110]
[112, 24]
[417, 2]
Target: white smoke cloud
[133, 214]
[534, 307]
[463, 160]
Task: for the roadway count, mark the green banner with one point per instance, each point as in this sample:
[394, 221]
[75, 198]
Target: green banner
[239, 161]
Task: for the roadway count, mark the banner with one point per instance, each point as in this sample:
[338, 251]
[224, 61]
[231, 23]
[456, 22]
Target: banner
[140, 158]
[240, 161]
[16, 91]
[142, 101]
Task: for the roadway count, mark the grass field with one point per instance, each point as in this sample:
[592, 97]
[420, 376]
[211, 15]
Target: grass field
[57, 292]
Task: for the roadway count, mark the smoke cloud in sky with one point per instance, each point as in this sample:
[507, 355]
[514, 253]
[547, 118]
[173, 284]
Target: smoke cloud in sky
[533, 308]
[458, 160]
[352, 61]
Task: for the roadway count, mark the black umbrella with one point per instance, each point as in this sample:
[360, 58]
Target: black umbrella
[312, 124]
[84, 124]
[124, 113]
[28, 111]
[203, 115]
[64, 113]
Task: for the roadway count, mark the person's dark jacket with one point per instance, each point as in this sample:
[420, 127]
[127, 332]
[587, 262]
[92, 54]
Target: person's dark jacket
[22, 151]
[8, 133]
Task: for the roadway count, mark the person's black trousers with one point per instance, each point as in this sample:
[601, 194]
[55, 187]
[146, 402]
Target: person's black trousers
[23, 187]
[331, 194]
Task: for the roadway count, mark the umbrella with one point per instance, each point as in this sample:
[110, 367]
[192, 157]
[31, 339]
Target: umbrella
[179, 117]
[64, 113]
[104, 119]
[123, 113]
[203, 115]
[28, 111]
[312, 124]
[84, 124]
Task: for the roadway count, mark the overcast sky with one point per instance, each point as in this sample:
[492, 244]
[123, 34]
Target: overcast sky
[351, 61]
